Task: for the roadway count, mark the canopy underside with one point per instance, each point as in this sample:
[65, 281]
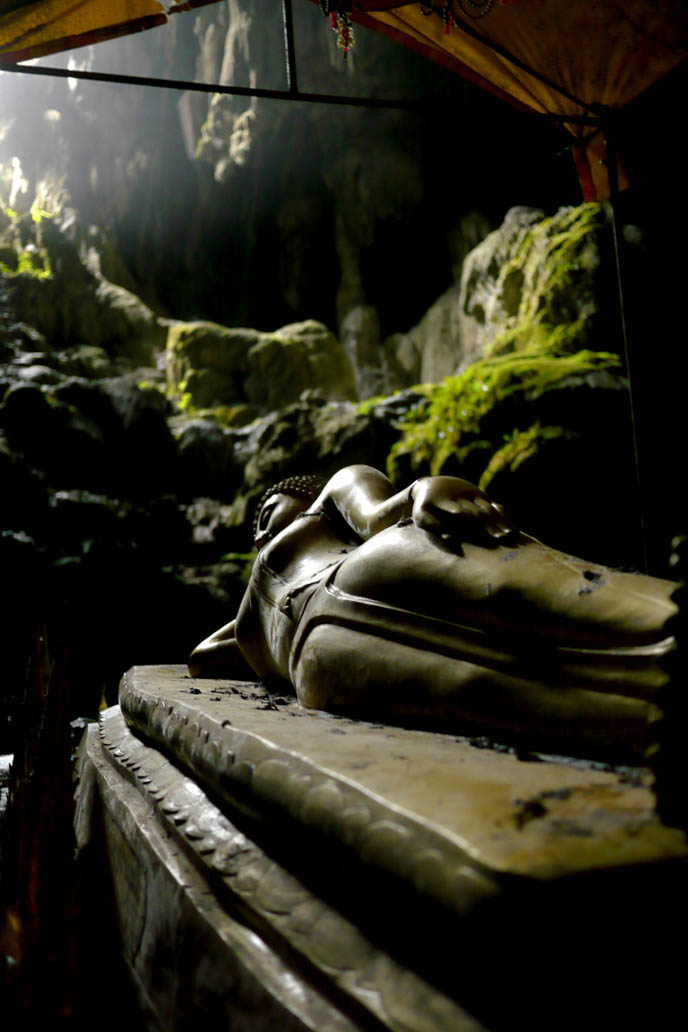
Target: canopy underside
[559, 57]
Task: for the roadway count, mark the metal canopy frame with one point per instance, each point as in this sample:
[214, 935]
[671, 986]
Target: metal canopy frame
[595, 117]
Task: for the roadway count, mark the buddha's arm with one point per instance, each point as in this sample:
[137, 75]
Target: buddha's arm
[444, 506]
[219, 655]
[455, 509]
[366, 500]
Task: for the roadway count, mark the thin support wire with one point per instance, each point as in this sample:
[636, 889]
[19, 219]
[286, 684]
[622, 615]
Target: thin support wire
[613, 173]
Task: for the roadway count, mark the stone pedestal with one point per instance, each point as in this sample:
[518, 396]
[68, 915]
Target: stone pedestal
[278, 868]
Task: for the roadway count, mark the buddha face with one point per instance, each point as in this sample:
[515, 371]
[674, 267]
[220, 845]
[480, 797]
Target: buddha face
[277, 512]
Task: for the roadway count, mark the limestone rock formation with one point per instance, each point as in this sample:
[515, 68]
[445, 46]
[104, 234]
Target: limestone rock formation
[316, 435]
[346, 186]
[208, 362]
[435, 348]
[376, 364]
[432, 349]
[213, 365]
[207, 460]
[538, 280]
[535, 281]
[50, 287]
[302, 356]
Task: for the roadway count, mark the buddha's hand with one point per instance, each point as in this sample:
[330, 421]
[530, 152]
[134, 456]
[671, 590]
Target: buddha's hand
[454, 510]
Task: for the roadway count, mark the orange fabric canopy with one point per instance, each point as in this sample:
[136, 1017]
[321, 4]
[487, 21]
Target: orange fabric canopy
[561, 57]
[48, 26]
[599, 52]
[35, 28]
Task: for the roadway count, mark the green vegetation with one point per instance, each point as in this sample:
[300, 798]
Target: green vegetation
[224, 416]
[152, 385]
[452, 423]
[21, 249]
[520, 446]
[546, 284]
[484, 418]
[38, 213]
[28, 263]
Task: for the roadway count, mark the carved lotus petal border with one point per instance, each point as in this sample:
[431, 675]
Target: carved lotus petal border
[241, 767]
[263, 893]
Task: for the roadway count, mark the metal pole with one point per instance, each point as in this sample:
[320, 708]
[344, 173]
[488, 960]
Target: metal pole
[206, 87]
[293, 94]
[613, 173]
[289, 54]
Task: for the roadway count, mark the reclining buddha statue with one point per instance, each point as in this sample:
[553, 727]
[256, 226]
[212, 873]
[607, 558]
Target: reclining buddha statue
[427, 607]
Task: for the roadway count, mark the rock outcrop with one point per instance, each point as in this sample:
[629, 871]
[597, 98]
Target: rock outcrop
[89, 322]
[539, 281]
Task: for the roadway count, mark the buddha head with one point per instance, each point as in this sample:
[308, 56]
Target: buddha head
[282, 503]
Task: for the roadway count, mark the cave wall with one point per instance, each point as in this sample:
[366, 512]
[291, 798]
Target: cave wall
[262, 213]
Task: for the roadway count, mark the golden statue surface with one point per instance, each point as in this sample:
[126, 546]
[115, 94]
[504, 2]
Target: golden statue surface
[427, 607]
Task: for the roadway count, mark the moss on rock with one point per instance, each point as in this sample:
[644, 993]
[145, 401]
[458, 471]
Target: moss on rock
[520, 446]
[207, 361]
[51, 287]
[209, 365]
[536, 282]
[465, 415]
[299, 357]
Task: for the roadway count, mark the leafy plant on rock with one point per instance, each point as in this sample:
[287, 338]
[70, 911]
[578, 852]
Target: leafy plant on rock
[451, 426]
